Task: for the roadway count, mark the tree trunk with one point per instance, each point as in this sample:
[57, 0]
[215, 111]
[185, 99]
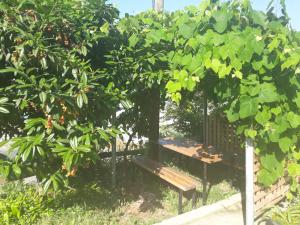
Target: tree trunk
[154, 123]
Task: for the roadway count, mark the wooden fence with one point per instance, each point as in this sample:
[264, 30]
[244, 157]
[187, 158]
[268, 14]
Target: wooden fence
[222, 135]
[265, 198]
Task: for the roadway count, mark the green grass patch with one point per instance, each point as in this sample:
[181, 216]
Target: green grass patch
[139, 198]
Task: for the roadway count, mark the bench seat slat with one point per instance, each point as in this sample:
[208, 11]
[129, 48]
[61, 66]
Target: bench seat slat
[176, 178]
[183, 176]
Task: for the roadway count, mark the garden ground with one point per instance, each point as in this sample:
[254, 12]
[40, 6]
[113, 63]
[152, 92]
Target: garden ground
[138, 198]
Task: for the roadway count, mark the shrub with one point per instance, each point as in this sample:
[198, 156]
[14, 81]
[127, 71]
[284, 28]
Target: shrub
[21, 204]
[61, 93]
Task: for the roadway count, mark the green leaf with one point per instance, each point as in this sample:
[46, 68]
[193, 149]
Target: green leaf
[293, 60]
[85, 98]
[79, 100]
[187, 30]
[43, 97]
[297, 100]
[293, 119]
[17, 170]
[133, 40]
[294, 169]
[46, 186]
[173, 87]
[266, 178]
[251, 133]
[57, 126]
[221, 17]
[26, 154]
[258, 18]
[191, 84]
[215, 65]
[248, 106]
[105, 28]
[285, 144]
[276, 111]
[176, 97]
[84, 50]
[9, 70]
[3, 100]
[262, 117]
[272, 163]
[3, 110]
[268, 93]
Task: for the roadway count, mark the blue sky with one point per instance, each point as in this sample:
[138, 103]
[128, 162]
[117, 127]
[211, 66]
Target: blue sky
[136, 6]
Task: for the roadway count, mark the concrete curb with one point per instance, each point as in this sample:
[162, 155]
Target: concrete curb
[222, 207]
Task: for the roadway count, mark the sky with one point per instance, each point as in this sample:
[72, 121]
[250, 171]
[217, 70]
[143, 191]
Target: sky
[136, 6]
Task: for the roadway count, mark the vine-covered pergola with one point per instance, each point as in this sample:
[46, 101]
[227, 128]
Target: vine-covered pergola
[63, 80]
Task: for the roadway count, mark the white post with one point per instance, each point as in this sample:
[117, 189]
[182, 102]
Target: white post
[158, 5]
[249, 182]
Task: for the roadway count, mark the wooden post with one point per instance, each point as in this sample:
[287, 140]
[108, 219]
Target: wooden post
[114, 155]
[205, 121]
[180, 194]
[158, 5]
[204, 197]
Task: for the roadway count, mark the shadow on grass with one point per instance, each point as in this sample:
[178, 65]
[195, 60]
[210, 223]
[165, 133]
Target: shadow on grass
[134, 186]
[93, 189]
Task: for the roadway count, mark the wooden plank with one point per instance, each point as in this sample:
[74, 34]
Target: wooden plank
[165, 176]
[183, 176]
[260, 211]
[264, 192]
[192, 149]
[214, 133]
[227, 139]
[174, 178]
[270, 199]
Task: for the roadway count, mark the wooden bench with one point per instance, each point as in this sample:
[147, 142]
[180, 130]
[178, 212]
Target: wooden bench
[182, 182]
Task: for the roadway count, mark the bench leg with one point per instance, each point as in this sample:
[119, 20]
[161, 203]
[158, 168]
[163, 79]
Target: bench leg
[204, 183]
[194, 199]
[180, 202]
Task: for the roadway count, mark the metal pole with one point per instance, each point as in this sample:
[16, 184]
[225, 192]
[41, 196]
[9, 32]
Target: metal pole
[114, 155]
[249, 182]
[158, 5]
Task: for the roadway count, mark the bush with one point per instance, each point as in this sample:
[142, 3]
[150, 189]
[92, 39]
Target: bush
[62, 96]
[21, 204]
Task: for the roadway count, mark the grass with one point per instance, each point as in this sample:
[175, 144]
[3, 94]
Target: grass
[139, 197]
[286, 213]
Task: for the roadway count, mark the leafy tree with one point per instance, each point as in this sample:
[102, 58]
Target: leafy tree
[62, 97]
[140, 67]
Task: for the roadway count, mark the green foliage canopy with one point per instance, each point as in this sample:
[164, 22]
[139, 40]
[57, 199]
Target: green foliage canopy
[62, 99]
[245, 61]
[53, 68]
[248, 61]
